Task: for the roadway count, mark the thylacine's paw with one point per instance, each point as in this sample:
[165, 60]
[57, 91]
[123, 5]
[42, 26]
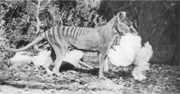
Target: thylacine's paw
[135, 75]
[139, 76]
[102, 77]
[48, 71]
[57, 73]
[142, 77]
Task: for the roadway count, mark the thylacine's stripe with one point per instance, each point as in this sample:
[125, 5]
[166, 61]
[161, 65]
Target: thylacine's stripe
[76, 32]
[70, 31]
[61, 31]
[46, 35]
[63, 28]
[53, 36]
[67, 31]
[80, 29]
[58, 31]
[50, 36]
[80, 32]
[56, 37]
[83, 31]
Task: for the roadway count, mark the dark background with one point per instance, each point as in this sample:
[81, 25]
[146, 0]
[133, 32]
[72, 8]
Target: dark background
[156, 21]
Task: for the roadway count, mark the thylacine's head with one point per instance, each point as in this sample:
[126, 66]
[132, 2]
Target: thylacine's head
[122, 24]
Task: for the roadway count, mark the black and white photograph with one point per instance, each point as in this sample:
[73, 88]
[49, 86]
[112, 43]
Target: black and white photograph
[89, 47]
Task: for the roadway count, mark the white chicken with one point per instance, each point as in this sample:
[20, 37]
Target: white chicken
[19, 59]
[74, 56]
[43, 59]
[130, 52]
[124, 54]
[141, 61]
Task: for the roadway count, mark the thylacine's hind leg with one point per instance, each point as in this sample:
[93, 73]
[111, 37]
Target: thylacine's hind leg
[106, 67]
[60, 54]
[47, 64]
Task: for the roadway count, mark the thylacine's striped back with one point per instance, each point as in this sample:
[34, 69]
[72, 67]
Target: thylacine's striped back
[58, 33]
[73, 32]
[66, 31]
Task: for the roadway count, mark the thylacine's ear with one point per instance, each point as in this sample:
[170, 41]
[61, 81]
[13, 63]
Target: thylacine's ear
[121, 15]
[115, 21]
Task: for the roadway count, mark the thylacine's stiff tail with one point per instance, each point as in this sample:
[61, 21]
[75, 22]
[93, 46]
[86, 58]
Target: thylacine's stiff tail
[35, 41]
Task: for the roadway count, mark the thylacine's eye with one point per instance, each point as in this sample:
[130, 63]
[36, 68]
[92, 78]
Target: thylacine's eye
[128, 25]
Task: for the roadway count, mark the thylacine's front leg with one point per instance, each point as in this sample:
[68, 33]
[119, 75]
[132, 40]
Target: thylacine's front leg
[102, 56]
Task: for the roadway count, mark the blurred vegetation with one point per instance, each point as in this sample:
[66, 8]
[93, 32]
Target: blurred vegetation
[156, 21]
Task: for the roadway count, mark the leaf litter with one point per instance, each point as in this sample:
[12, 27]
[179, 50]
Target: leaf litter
[161, 79]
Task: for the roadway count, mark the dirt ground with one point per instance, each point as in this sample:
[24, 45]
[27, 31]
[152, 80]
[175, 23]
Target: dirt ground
[161, 79]
[14, 90]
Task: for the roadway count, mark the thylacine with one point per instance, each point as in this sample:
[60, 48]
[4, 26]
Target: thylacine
[97, 39]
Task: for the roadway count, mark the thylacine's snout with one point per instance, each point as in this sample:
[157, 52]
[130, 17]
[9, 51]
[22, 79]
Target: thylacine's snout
[133, 30]
[124, 28]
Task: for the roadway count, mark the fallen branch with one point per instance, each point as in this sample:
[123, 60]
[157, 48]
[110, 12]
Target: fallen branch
[36, 85]
[83, 63]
